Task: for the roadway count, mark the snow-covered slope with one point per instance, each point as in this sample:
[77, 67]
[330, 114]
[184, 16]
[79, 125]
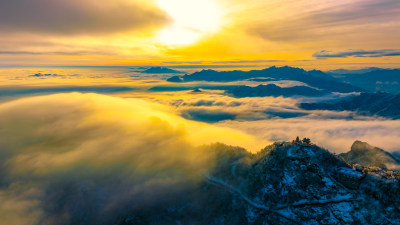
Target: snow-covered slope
[285, 183]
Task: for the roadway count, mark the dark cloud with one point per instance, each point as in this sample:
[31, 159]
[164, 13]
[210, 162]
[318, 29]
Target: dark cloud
[356, 53]
[77, 17]
[209, 116]
[46, 75]
[284, 113]
[349, 18]
[205, 102]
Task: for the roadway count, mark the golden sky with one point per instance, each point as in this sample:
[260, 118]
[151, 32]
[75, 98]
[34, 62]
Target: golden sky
[167, 32]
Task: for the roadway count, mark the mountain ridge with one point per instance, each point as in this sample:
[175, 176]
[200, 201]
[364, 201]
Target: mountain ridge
[156, 70]
[314, 78]
[370, 104]
[274, 90]
[372, 79]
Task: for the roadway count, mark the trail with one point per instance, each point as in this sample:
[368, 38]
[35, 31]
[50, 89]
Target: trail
[222, 183]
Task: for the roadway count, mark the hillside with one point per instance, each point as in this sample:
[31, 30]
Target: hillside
[285, 183]
[369, 156]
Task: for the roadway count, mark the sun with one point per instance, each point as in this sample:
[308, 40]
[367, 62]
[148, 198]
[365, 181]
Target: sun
[191, 20]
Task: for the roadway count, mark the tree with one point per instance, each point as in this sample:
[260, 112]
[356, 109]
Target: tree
[306, 140]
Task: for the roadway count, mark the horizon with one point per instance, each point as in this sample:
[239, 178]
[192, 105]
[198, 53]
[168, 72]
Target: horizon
[208, 67]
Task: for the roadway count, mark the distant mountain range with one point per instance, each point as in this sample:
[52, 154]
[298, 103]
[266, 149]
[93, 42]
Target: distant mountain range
[370, 104]
[369, 156]
[341, 80]
[345, 71]
[157, 70]
[274, 90]
[313, 78]
[371, 79]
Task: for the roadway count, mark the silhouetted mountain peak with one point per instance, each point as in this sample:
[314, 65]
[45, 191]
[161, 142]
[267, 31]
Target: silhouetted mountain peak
[284, 69]
[370, 156]
[363, 146]
[156, 70]
[175, 79]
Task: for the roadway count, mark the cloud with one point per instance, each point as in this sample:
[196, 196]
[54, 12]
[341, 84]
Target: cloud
[207, 115]
[78, 53]
[340, 19]
[12, 92]
[271, 119]
[203, 102]
[212, 106]
[44, 75]
[356, 53]
[89, 159]
[337, 135]
[69, 17]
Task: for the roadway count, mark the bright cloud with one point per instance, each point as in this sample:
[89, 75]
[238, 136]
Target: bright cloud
[114, 153]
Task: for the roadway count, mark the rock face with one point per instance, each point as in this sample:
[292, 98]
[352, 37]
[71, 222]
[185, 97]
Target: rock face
[369, 156]
[285, 183]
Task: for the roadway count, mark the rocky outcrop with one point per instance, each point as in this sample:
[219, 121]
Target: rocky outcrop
[369, 156]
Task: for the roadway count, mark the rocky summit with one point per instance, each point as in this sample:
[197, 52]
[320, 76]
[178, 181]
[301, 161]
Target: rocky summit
[286, 183]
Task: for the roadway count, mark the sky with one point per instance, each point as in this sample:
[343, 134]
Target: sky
[306, 33]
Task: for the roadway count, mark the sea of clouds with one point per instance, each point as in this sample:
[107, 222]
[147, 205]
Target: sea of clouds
[90, 158]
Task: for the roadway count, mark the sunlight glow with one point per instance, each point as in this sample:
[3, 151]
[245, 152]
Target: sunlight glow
[191, 20]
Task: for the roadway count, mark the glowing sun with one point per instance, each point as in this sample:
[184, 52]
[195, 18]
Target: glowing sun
[191, 20]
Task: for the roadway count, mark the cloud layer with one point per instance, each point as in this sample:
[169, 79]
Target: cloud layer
[279, 119]
[313, 21]
[356, 53]
[78, 17]
[337, 135]
[88, 158]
